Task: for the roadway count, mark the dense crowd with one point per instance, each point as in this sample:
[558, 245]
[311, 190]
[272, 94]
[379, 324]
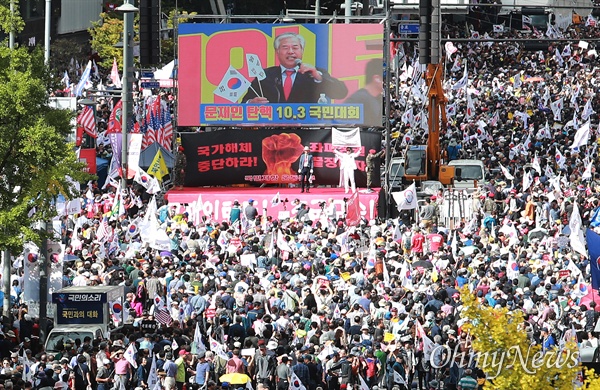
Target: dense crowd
[252, 302]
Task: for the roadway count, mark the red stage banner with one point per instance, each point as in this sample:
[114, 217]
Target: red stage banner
[228, 157]
[292, 74]
[217, 202]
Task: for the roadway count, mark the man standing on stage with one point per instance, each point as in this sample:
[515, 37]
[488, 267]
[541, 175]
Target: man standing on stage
[372, 168]
[305, 169]
[347, 167]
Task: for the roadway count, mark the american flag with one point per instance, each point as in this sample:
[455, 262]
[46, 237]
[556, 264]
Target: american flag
[152, 123]
[87, 120]
[157, 125]
[103, 233]
[167, 129]
[163, 316]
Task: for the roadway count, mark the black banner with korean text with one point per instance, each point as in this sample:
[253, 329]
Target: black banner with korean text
[235, 156]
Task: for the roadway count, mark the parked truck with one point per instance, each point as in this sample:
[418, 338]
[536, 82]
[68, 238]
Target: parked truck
[82, 311]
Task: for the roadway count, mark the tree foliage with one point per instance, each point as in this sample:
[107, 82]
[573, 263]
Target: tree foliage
[105, 33]
[35, 159]
[508, 357]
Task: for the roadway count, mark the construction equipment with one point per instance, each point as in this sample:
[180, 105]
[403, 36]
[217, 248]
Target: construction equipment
[422, 162]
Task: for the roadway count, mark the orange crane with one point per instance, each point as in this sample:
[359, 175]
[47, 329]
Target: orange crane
[423, 162]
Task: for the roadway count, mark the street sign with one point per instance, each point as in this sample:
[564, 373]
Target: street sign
[412, 28]
[147, 75]
[150, 84]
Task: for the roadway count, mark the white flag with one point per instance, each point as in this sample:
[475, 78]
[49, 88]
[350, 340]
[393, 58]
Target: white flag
[153, 375]
[527, 181]
[26, 375]
[346, 137]
[200, 347]
[275, 201]
[498, 28]
[506, 173]
[450, 49]
[114, 75]
[582, 136]
[560, 159]
[536, 165]
[557, 107]
[576, 236]
[255, 68]
[296, 383]
[363, 384]
[407, 199]
[398, 378]
[233, 85]
[462, 83]
[512, 268]
[587, 110]
[517, 82]
[282, 244]
[142, 178]
[587, 174]
[84, 79]
[129, 355]
[526, 19]
[174, 345]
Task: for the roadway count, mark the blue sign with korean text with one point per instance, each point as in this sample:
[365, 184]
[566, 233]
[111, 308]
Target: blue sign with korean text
[281, 114]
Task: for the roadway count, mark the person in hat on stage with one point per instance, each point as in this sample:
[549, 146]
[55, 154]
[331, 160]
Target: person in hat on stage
[305, 169]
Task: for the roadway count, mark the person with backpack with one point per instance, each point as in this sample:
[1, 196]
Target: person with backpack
[82, 374]
[372, 367]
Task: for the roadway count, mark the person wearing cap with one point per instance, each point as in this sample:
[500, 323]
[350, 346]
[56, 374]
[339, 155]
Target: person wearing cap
[305, 169]
[250, 212]
[236, 212]
[203, 369]
[283, 374]
[170, 369]
[371, 167]
[104, 376]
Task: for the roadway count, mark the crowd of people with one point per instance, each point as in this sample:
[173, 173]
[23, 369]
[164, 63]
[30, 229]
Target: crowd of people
[252, 302]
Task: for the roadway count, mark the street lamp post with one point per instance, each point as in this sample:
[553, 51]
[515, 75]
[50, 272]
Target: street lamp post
[127, 9]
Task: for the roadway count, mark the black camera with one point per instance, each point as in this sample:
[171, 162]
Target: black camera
[322, 205]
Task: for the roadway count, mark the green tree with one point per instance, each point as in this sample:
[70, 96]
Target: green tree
[508, 357]
[105, 34]
[35, 159]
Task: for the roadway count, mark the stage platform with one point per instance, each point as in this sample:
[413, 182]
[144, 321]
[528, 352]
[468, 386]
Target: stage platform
[218, 200]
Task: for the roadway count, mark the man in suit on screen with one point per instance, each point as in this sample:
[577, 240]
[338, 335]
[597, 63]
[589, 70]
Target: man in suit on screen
[293, 81]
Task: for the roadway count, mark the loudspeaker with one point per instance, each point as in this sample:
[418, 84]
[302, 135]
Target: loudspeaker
[149, 32]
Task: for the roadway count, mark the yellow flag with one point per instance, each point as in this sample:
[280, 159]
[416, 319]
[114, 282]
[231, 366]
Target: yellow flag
[346, 276]
[158, 168]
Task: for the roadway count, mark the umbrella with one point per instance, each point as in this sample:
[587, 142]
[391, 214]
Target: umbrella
[234, 378]
[537, 233]
[423, 264]
[592, 296]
